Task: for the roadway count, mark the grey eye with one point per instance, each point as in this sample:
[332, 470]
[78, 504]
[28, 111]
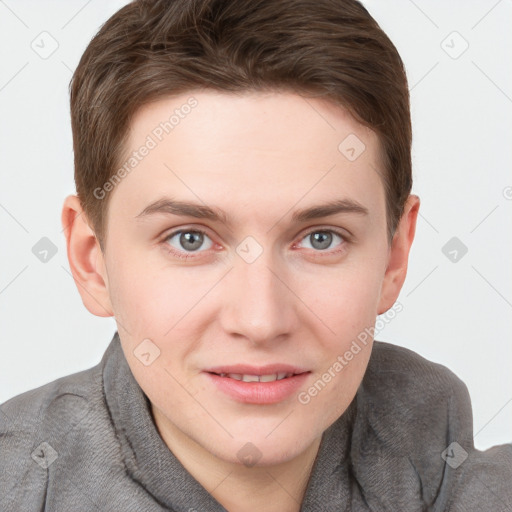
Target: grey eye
[321, 240]
[189, 240]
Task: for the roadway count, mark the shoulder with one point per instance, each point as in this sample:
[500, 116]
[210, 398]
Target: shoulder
[412, 407]
[418, 392]
[388, 358]
[34, 427]
[415, 415]
[402, 378]
[419, 397]
[66, 399]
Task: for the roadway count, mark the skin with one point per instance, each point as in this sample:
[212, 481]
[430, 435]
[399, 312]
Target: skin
[259, 157]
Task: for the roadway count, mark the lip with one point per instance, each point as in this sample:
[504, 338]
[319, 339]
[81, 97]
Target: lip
[267, 369]
[258, 392]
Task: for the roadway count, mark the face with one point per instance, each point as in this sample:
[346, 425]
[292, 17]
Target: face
[244, 277]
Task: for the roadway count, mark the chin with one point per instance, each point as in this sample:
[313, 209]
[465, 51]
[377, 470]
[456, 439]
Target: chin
[259, 450]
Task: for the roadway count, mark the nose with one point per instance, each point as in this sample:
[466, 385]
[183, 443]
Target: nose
[257, 303]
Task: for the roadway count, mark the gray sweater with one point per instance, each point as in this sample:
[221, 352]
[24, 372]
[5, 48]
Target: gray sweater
[87, 442]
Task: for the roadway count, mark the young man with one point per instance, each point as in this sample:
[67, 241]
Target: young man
[243, 210]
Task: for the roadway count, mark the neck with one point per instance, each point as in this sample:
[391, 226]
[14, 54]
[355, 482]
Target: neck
[272, 488]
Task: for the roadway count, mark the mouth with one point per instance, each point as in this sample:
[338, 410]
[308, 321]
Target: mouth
[267, 385]
[270, 377]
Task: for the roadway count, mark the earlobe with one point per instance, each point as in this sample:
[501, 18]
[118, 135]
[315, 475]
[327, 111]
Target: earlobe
[398, 258]
[85, 259]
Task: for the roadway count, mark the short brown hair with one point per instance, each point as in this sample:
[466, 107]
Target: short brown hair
[151, 49]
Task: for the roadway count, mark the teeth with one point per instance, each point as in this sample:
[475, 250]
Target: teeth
[250, 378]
[257, 378]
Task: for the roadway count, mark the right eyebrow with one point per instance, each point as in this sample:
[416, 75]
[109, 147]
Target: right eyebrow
[182, 208]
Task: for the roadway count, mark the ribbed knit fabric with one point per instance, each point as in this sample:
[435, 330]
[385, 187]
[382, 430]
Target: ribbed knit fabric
[87, 442]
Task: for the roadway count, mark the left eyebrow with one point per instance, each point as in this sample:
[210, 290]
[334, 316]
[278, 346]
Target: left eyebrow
[183, 208]
[330, 208]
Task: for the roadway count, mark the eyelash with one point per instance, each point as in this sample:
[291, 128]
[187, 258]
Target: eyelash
[186, 256]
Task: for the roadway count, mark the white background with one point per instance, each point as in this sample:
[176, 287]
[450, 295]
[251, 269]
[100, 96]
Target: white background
[457, 314]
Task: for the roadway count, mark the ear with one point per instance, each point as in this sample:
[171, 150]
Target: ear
[399, 255]
[85, 259]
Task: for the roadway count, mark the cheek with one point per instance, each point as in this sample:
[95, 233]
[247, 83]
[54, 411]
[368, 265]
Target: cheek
[345, 299]
[347, 303]
[153, 301]
[145, 299]
[348, 306]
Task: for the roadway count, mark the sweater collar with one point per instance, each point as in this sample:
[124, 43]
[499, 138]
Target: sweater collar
[149, 461]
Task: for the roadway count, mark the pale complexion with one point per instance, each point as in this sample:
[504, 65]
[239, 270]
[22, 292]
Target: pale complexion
[259, 158]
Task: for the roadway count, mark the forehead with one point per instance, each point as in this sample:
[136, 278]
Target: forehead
[276, 121]
[238, 149]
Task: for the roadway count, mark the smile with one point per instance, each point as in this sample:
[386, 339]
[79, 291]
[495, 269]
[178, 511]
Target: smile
[267, 388]
[257, 378]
